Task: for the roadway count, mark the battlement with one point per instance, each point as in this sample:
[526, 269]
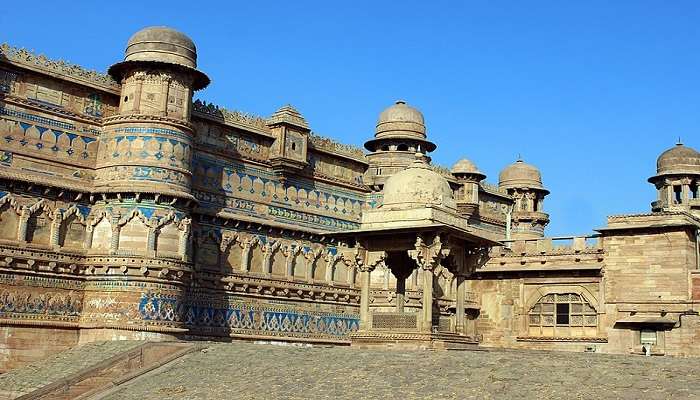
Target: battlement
[549, 246]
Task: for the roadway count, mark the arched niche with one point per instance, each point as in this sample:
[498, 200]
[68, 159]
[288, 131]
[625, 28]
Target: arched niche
[279, 262]
[102, 234]
[234, 256]
[9, 221]
[39, 226]
[72, 231]
[133, 236]
[257, 258]
[168, 240]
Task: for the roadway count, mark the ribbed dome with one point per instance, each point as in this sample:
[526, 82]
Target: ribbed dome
[520, 174]
[160, 44]
[678, 160]
[418, 185]
[466, 167]
[400, 120]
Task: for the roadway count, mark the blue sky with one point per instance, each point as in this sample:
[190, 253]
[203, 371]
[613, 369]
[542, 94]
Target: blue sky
[590, 92]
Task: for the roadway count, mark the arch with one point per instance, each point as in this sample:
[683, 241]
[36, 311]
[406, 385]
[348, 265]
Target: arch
[102, 234]
[72, 231]
[278, 261]
[562, 312]
[168, 239]
[340, 271]
[233, 252]
[299, 264]
[402, 147]
[39, 223]
[257, 257]
[133, 235]
[9, 217]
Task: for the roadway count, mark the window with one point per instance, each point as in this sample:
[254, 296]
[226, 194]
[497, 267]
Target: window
[402, 147]
[562, 315]
[647, 336]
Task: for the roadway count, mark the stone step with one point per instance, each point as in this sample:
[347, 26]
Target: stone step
[113, 371]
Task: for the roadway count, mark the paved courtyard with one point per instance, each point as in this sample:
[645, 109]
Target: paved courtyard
[256, 371]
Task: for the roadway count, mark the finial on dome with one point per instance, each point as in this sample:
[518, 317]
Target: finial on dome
[400, 101]
[679, 142]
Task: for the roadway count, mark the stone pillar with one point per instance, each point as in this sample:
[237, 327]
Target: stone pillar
[151, 242]
[245, 257]
[400, 292]
[330, 263]
[184, 240]
[427, 300]
[55, 230]
[87, 242]
[23, 224]
[364, 297]
[459, 309]
[116, 229]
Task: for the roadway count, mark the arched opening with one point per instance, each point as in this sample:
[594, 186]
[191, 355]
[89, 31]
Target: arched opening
[9, 222]
[562, 315]
[402, 147]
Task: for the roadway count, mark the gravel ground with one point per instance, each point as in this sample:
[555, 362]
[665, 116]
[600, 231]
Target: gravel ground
[256, 371]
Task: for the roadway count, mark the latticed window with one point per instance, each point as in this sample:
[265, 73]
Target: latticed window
[564, 315]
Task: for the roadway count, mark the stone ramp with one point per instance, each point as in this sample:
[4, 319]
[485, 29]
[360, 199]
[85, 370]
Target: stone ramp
[87, 370]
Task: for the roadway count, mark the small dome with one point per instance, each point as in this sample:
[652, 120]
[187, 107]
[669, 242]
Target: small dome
[160, 44]
[678, 160]
[520, 174]
[466, 167]
[401, 120]
[418, 185]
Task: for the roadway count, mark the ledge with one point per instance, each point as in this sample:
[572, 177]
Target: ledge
[561, 339]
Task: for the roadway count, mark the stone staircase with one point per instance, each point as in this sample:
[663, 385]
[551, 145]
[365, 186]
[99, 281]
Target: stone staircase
[87, 371]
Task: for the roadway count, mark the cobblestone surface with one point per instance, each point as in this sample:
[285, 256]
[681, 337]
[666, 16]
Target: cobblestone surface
[61, 365]
[255, 371]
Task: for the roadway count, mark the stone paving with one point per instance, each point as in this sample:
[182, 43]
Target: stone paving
[257, 371]
[61, 365]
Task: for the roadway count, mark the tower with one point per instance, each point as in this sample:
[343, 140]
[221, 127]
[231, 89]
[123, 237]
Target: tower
[399, 135]
[677, 180]
[291, 132]
[141, 219]
[523, 182]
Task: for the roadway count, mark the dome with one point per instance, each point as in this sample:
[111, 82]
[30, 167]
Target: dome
[160, 44]
[466, 167]
[418, 185]
[520, 174]
[678, 160]
[401, 121]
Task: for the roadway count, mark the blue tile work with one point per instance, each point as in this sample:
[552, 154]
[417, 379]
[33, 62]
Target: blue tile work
[51, 137]
[302, 218]
[248, 318]
[26, 303]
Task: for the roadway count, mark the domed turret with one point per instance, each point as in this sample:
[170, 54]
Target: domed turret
[418, 185]
[400, 133]
[160, 44]
[468, 177]
[520, 174]
[523, 182]
[677, 179]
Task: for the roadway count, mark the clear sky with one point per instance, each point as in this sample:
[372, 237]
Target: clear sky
[591, 92]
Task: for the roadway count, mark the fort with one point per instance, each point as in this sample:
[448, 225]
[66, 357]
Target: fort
[128, 211]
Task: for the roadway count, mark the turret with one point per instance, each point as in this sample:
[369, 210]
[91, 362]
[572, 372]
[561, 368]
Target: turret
[399, 135]
[523, 182]
[677, 180]
[468, 177]
[147, 147]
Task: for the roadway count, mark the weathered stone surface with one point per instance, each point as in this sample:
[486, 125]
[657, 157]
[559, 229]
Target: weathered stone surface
[250, 371]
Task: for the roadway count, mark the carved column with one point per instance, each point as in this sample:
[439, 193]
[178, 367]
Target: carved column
[183, 252]
[459, 309]
[428, 257]
[116, 229]
[400, 293]
[330, 263]
[55, 229]
[23, 224]
[245, 257]
[151, 242]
